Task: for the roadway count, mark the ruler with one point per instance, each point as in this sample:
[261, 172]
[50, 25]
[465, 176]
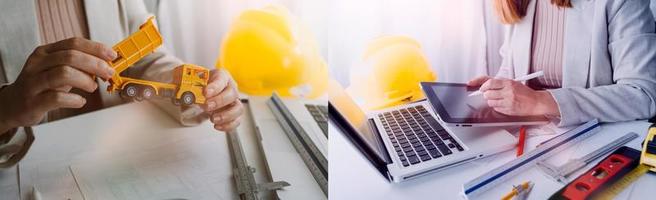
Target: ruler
[548, 149]
[561, 173]
[243, 173]
[309, 152]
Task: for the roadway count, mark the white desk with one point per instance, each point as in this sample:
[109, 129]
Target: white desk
[9, 183]
[352, 177]
[139, 151]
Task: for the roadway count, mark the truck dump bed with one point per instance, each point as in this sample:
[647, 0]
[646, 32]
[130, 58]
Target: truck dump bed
[133, 49]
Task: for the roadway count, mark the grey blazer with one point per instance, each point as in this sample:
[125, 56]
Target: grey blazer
[609, 66]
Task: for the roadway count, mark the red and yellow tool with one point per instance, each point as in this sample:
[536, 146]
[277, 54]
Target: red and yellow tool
[616, 172]
[647, 163]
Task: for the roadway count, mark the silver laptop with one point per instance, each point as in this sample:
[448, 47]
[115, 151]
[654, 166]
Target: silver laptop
[408, 141]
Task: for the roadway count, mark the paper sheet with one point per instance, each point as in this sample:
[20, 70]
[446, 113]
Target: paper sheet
[8, 183]
[160, 173]
[143, 154]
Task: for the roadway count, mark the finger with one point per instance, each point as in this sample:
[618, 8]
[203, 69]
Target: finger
[478, 81]
[493, 95]
[227, 96]
[229, 77]
[218, 82]
[64, 88]
[217, 115]
[80, 60]
[504, 110]
[231, 112]
[229, 125]
[494, 84]
[62, 78]
[496, 103]
[55, 99]
[87, 46]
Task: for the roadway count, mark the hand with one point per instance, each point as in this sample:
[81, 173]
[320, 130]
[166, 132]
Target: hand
[514, 98]
[223, 103]
[47, 77]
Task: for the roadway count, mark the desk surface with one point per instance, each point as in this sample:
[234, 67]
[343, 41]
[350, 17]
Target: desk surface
[9, 183]
[132, 151]
[352, 177]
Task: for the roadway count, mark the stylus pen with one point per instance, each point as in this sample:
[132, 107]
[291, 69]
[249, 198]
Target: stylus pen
[520, 79]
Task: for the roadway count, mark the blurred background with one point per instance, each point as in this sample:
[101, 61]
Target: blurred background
[459, 38]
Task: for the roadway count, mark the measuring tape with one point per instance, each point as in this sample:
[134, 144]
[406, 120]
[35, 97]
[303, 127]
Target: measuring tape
[647, 163]
[621, 184]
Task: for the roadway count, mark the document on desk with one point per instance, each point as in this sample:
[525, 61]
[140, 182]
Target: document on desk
[144, 154]
[9, 183]
[161, 173]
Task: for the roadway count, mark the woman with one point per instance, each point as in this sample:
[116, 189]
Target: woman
[599, 59]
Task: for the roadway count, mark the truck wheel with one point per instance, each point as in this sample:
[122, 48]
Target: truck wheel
[147, 92]
[188, 98]
[130, 90]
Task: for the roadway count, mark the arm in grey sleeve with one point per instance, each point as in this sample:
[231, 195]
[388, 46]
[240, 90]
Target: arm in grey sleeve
[632, 39]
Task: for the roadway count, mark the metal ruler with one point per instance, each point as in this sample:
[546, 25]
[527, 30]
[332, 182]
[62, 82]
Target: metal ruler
[312, 157]
[243, 173]
[498, 175]
[561, 173]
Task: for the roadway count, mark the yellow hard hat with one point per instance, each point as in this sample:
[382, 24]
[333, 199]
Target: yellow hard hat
[266, 50]
[390, 72]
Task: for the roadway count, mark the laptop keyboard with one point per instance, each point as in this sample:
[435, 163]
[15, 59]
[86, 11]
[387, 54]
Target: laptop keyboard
[416, 135]
[320, 115]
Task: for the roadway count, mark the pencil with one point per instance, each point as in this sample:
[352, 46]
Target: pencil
[521, 142]
[514, 191]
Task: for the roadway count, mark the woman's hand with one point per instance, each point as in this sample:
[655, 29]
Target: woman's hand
[223, 103]
[514, 98]
[47, 77]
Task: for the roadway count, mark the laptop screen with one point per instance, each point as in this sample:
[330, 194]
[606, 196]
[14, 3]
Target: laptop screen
[354, 123]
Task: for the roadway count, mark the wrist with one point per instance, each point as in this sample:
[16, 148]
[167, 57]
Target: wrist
[546, 104]
[3, 127]
[5, 124]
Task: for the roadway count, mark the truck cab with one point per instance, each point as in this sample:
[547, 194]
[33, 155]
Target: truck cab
[191, 80]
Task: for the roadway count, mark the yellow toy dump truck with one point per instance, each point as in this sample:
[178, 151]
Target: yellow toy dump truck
[188, 80]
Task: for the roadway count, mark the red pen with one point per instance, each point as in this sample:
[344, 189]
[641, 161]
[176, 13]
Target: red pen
[522, 140]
